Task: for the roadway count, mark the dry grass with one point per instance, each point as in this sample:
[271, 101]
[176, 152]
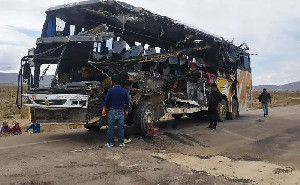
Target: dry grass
[279, 99]
[10, 112]
[8, 103]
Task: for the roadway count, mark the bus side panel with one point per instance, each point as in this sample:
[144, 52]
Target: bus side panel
[244, 89]
[225, 87]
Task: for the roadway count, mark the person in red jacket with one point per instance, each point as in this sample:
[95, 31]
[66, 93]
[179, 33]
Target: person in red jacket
[16, 129]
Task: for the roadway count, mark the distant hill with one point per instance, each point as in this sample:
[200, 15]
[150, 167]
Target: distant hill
[294, 86]
[12, 79]
[8, 78]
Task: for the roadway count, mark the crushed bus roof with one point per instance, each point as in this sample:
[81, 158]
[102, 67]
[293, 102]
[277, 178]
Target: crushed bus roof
[132, 23]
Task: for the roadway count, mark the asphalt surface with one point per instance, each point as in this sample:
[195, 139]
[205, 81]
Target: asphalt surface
[249, 150]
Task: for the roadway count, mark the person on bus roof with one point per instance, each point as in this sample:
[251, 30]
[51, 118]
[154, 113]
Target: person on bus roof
[214, 105]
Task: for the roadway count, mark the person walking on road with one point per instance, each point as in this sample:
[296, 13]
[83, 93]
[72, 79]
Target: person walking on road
[117, 104]
[265, 99]
[214, 105]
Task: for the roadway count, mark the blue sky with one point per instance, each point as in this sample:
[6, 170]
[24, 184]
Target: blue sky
[271, 28]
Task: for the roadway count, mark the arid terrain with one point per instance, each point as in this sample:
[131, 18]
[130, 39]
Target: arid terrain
[249, 150]
[279, 99]
[8, 103]
[10, 112]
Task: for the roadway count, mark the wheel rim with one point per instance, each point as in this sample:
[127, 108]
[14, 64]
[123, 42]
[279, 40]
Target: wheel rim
[148, 117]
[223, 112]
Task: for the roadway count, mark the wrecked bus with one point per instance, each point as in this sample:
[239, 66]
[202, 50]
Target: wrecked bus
[166, 66]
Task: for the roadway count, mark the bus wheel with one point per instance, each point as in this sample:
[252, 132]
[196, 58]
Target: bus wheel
[177, 116]
[235, 110]
[223, 110]
[143, 116]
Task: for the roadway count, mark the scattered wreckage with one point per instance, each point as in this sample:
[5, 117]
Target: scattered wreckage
[166, 66]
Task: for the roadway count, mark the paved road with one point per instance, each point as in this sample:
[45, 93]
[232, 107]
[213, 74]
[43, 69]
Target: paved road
[251, 149]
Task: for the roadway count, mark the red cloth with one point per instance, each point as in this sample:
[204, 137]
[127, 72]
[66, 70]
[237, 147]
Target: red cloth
[16, 128]
[210, 78]
[152, 131]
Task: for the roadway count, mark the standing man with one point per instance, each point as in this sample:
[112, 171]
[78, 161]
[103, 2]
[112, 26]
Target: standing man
[117, 104]
[265, 98]
[214, 105]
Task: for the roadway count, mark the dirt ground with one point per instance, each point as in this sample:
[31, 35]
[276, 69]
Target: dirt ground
[279, 99]
[8, 103]
[249, 150]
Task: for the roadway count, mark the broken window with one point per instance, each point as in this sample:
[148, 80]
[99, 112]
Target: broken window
[245, 62]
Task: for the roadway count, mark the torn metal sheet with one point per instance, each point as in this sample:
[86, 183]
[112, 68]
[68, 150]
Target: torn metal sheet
[75, 38]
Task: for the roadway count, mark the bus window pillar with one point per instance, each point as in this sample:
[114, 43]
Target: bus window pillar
[37, 71]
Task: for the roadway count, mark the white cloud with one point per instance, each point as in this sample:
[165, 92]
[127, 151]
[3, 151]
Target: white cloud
[271, 28]
[12, 36]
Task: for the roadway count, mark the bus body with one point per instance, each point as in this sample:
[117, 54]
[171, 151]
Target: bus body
[166, 66]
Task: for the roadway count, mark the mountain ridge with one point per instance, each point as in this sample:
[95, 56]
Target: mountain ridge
[293, 86]
[12, 79]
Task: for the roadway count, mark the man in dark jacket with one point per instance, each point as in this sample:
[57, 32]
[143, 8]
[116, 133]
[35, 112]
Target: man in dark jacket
[117, 104]
[214, 105]
[265, 99]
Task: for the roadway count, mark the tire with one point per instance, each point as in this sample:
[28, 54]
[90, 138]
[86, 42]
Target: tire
[143, 117]
[94, 112]
[93, 128]
[177, 116]
[235, 109]
[223, 110]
